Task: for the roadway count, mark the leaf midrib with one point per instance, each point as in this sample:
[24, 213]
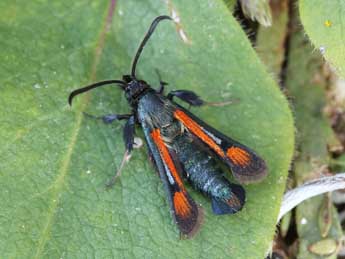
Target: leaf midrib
[58, 184]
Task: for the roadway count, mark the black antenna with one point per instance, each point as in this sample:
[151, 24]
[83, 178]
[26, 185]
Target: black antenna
[92, 86]
[146, 38]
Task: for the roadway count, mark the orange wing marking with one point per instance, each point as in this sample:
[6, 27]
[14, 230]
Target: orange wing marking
[198, 131]
[181, 204]
[157, 138]
[238, 156]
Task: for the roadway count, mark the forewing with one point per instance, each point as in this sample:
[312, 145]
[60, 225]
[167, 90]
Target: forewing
[244, 163]
[186, 213]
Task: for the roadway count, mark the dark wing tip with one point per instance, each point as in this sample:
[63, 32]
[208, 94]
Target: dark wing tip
[189, 221]
[190, 230]
[253, 173]
[232, 205]
[246, 166]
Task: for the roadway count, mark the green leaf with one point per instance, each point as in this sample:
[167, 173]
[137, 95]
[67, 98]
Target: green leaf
[55, 161]
[324, 21]
[231, 4]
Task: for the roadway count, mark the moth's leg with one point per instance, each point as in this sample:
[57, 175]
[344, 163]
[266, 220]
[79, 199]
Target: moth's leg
[128, 133]
[128, 137]
[125, 159]
[187, 96]
[194, 100]
[109, 118]
[162, 84]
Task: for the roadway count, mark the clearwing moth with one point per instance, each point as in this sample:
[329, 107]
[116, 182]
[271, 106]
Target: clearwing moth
[183, 146]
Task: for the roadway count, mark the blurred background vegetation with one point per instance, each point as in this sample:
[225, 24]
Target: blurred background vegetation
[298, 51]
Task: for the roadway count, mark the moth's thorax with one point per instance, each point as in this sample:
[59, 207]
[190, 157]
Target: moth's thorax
[156, 111]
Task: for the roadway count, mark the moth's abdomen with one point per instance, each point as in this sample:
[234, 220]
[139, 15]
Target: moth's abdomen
[202, 171]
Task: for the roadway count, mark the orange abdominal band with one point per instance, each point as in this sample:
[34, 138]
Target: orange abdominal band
[238, 156]
[197, 131]
[156, 136]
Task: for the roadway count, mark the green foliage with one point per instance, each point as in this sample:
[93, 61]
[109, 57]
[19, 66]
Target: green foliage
[316, 218]
[270, 41]
[55, 161]
[324, 21]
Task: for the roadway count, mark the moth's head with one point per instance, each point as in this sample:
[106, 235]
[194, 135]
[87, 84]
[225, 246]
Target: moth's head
[134, 88]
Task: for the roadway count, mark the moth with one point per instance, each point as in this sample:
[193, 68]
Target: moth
[183, 146]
